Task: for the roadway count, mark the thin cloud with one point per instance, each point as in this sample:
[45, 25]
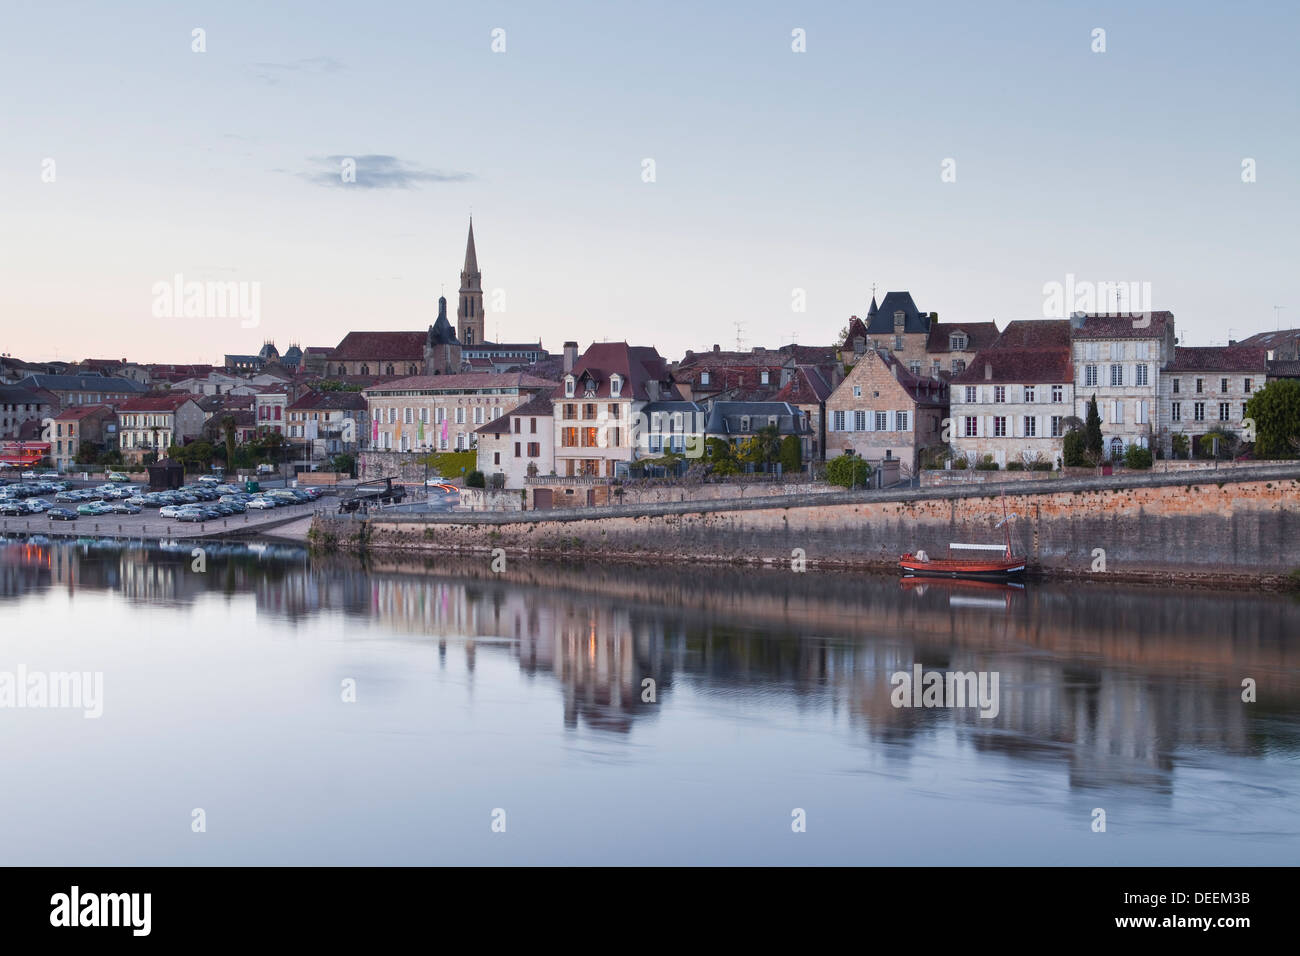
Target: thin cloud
[273, 72]
[377, 172]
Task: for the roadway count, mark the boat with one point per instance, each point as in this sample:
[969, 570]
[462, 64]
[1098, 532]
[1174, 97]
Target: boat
[964, 561]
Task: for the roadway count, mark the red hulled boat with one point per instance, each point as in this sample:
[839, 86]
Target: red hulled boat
[998, 561]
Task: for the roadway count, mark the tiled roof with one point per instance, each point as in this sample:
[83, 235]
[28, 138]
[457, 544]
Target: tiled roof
[540, 406]
[1034, 334]
[465, 382]
[78, 412]
[979, 335]
[1271, 340]
[1002, 366]
[636, 364]
[806, 386]
[155, 403]
[370, 346]
[329, 401]
[1123, 327]
[18, 395]
[1231, 358]
[1280, 369]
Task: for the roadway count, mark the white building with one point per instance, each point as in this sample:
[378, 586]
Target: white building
[1206, 390]
[1118, 359]
[519, 442]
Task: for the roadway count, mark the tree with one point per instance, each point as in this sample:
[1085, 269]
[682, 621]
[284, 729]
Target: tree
[1075, 449]
[848, 471]
[228, 429]
[475, 479]
[722, 456]
[791, 453]
[1179, 444]
[1092, 432]
[1276, 411]
[1137, 457]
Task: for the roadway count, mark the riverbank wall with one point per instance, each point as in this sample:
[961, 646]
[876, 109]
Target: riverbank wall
[1237, 528]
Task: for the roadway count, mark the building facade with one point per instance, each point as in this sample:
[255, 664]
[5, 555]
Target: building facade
[882, 411]
[82, 426]
[1205, 390]
[520, 444]
[154, 423]
[443, 412]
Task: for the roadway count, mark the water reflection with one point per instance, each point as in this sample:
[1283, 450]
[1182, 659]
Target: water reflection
[1110, 688]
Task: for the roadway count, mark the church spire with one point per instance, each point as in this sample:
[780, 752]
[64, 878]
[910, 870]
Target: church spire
[469, 313]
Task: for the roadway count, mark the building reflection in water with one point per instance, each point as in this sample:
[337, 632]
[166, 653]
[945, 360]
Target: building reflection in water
[1114, 683]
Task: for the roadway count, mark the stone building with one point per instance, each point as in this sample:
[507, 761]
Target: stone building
[156, 422]
[519, 444]
[1118, 359]
[896, 326]
[1206, 390]
[952, 346]
[1013, 400]
[19, 405]
[882, 411]
[78, 426]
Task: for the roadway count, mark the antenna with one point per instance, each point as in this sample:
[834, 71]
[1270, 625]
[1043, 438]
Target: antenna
[1277, 317]
[740, 335]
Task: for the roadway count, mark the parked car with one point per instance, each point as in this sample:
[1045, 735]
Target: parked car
[209, 480]
[62, 514]
[118, 476]
[168, 511]
[93, 509]
[124, 508]
[37, 505]
[189, 514]
[238, 507]
[261, 504]
[13, 509]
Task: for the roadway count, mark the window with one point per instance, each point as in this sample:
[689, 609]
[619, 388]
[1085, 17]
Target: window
[857, 391]
[763, 377]
[1058, 393]
[460, 416]
[1177, 385]
[914, 368]
[1243, 410]
[957, 342]
[1225, 411]
[1090, 375]
[569, 437]
[999, 426]
[1223, 386]
[882, 421]
[518, 425]
[1030, 393]
[970, 427]
[534, 449]
[970, 394]
[589, 412]
[1200, 386]
[898, 343]
[1117, 413]
[496, 457]
[1176, 412]
[568, 385]
[837, 422]
[1117, 375]
[859, 421]
[900, 422]
[1056, 426]
[1141, 378]
[516, 451]
[615, 386]
[1198, 411]
[999, 393]
[1141, 350]
[590, 437]
[704, 378]
[532, 426]
[612, 409]
[1031, 426]
[1141, 412]
[744, 423]
[1246, 384]
[1091, 351]
[958, 365]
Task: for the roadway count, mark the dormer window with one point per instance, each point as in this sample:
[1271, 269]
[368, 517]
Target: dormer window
[900, 318]
[615, 386]
[957, 342]
[568, 386]
[704, 378]
[744, 423]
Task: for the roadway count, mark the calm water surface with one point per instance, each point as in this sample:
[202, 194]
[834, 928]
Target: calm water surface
[223, 690]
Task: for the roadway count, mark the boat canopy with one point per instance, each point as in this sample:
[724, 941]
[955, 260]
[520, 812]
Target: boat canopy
[980, 547]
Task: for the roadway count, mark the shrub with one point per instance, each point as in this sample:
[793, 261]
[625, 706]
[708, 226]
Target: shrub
[1015, 466]
[848, 471]
[986, 464]
[475, 479]
[1137, 457]
[1041, 466]
[1075, 445]
[791, 453]
[961, 464]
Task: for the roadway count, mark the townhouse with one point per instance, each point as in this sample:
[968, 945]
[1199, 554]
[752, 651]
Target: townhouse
[1118, 360]
[270, 407]
[1012, 401]
[882, 411]
[152, 424]
[597, 402]
[951, 346]
[323, 423]
[520, 444]
[896, 325]
[737, 422]
[86, 389]
[93, 427]
[19, 405]
[1205, 390]
[443, 412]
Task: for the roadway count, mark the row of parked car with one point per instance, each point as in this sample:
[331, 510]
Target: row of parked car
[205, 501]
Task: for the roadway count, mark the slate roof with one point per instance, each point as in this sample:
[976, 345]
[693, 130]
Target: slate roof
[80, 383]
[979, 335]
[18, 395]
[1122, 327]
[881, 321]
[724, 418]
[1231, 358]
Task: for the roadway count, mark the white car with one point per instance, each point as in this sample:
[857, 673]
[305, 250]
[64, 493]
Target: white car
[118, 476]
[169, 511]
[36, 505]
[209, 480]
[259, 503]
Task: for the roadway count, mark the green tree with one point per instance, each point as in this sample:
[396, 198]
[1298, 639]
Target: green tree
[1275, 410]
[722, 456]
[1075, 449]
[228, 431]
[1092, 431]
[791, 453]
[1137, 457]
[475, 479]
[1179, 444]
[848, 471]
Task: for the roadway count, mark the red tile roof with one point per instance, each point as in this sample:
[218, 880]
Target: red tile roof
[372, 346]
[1122, 326]
[636, 364]
[1231, 358]
[1034, 334]
[77, 412]
[979, 335]
[155, 403]
[1019, 366]
[465, 381]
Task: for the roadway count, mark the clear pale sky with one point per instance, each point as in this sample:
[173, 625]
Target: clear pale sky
[775, 170]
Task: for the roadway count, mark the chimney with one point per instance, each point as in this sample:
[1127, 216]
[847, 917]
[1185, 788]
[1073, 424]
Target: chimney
[1231, 342]
[988, 372]
[570, 356]
[894, 368]
[1076, 319]
[715, 347]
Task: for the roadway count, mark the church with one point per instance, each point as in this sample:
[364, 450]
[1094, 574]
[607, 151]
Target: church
[442, 349]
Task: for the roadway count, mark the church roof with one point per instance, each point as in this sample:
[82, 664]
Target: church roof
[359, 346]
[471, 257]
[441, 332]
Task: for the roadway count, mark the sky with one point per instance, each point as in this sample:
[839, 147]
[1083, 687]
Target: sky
[971, 154]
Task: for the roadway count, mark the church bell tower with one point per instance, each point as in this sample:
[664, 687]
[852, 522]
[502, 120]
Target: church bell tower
[469, 314]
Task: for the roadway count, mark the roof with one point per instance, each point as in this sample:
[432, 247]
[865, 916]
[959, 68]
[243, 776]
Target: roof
[78, 412]
[1034, 334]
[724, 417]
[471, 257]
[637, 365]
[1271, 340]
[806, 386]
[755, 358]
[18, 395]
[979, 335]
[1121, 326]
[1231, 358]
[88, 383]
[441, 332]
[467, 381]
[155, 403]
[540, 406]
[1281, 369]
[881, 321]
[330, 400]
[363, 346]
[1044, 366]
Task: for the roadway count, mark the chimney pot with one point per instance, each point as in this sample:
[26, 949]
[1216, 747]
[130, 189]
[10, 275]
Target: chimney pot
[988, 372]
